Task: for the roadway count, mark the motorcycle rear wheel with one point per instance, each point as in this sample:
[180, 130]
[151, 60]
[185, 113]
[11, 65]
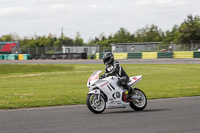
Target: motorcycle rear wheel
[139, 104]
[94, 105]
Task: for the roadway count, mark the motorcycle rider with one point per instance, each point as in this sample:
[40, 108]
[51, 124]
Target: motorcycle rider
[113, 68]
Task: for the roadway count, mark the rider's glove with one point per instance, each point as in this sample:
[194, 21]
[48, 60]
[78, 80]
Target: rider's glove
[121, 81]
[101, 77]
[106, 74]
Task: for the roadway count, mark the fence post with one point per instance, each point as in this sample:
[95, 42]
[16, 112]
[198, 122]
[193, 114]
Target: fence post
[28, 50]
[97, 47]
[55, 50]
[192, 46]
[45, 50]
[36, 50]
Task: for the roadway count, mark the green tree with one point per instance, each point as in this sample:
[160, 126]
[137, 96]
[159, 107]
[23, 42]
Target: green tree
[44, 42]
[149, 34]
[1, 40]
[57, 43]
[91, 42]
[68, 41]
[51, 39]
[171, 36]
[24, 42]
[78, 40]
[122, 36]
[190, 30]
[7, 38]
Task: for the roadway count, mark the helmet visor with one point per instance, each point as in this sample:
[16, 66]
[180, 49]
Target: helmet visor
[106, 60]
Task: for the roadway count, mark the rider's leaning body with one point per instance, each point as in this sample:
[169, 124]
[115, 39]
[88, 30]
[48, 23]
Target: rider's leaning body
[113, 68]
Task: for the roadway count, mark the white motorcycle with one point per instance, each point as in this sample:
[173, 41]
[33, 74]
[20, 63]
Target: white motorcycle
[106, 93]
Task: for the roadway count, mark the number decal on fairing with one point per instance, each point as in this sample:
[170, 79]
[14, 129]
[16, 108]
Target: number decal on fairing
[134, 78]
[90, 79]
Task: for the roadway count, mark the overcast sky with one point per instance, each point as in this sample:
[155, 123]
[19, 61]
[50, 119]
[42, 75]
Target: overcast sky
[91, 17]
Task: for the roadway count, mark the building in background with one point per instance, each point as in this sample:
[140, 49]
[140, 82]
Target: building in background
[81, 49]
[134, 47]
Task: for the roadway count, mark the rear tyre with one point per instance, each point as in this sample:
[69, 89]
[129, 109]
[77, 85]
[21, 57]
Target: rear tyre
[94, 105]
[139, 104]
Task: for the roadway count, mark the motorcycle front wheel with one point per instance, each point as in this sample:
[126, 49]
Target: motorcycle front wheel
[94, 105]
[139, 104]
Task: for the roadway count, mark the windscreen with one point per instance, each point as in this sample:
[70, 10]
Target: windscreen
[93, 78]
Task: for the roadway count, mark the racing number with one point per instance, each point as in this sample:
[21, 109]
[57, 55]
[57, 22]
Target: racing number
[134, 78]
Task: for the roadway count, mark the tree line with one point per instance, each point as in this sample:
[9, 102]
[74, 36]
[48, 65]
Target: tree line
[186, 33]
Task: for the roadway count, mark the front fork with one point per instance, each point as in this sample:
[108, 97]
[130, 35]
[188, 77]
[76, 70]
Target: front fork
[98, 97]
[96, 92]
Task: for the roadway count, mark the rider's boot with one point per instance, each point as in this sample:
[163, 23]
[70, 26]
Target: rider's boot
[130, 93]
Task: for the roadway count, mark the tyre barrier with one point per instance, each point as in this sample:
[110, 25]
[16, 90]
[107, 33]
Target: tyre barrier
[101, 56]
[43, 56]
[165, 54]
[5, 57]
[1, 57]
[97, 56]
[153, 55]
[134, 55]
[196, 54]
[183, 54]
[149, 55]
[14, 56]
[20, 57]
[68, 56]
[120, 55]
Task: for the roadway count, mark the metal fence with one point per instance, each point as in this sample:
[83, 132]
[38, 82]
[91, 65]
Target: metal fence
[152, 47]
[57, 50]
[179, 47]
[81, 49]
[91, 50]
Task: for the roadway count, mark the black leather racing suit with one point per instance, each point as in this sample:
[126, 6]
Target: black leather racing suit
[115, 69]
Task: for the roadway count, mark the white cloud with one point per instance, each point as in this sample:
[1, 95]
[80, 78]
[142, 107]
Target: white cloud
[60, 7]
[102, 7]
[14, 11]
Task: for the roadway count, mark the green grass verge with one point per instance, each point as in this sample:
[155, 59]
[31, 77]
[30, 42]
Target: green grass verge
[28, 85]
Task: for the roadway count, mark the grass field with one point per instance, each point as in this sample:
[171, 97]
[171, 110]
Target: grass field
[32, 85]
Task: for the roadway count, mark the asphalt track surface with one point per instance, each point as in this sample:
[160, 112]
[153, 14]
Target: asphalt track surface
[175, 115]
[121, 61]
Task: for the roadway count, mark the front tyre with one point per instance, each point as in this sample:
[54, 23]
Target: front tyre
[94, 105]
[141, 103]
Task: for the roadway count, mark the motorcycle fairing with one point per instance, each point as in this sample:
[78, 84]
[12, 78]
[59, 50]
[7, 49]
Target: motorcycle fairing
[112, 91]
[134, 80]
[97, 91]
[93, 78]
